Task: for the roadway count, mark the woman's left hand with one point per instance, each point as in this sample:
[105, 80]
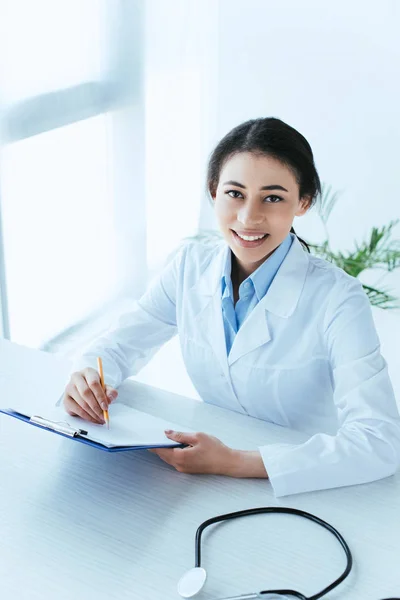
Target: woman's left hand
[204, 454]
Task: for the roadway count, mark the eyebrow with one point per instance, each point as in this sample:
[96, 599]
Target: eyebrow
[274, 186]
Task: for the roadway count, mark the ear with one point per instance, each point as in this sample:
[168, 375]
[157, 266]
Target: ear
[212, 192]
[304, 205]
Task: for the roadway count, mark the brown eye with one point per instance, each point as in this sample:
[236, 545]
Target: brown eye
[275, 199]
[233, 192]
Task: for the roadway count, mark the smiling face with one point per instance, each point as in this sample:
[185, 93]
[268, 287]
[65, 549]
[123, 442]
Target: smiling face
[256, 197]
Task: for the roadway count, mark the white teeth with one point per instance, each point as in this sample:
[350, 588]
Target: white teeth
[250, 238]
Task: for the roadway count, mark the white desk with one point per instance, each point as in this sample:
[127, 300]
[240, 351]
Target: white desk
[76, 522]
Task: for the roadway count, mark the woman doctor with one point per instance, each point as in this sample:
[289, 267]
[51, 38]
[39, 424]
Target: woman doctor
[266, 329]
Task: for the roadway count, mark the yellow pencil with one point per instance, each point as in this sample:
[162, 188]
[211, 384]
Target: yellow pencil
[105, 412]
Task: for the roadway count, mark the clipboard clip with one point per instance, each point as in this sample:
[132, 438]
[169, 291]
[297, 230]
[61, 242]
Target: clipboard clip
[58, 426]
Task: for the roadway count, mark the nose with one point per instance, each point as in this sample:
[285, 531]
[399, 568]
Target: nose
[250, 215]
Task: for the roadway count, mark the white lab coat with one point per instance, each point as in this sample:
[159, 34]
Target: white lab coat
[307, 357]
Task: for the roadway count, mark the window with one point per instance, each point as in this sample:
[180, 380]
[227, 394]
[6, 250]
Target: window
[58, 230]
[71, 117]
[47, 45]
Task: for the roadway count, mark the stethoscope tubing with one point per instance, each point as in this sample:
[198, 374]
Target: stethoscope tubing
[290, 511]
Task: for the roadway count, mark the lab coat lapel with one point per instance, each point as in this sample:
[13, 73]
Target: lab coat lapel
[253, 333]
[281, 299]
[217, 332]
[208, 297]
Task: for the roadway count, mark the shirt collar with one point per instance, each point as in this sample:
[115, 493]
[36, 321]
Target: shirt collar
[226, 280]
[263, 276]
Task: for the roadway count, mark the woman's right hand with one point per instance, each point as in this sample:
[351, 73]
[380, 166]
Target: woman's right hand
[85, 398]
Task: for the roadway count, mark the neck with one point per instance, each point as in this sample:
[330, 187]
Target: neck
[240, 272]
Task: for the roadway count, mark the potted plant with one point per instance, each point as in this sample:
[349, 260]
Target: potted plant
[379, 251]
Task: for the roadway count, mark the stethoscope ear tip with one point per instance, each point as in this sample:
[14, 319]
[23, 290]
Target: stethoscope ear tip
[191, 582]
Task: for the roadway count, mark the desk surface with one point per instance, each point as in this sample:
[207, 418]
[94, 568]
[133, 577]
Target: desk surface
[78, 522]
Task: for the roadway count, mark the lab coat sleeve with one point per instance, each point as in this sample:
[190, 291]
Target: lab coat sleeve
[367, 444]
[139, 333]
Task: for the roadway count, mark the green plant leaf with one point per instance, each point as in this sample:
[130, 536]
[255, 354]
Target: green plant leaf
[380, 298]
[378, 252]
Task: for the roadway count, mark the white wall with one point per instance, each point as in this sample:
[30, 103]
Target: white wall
[181, 51]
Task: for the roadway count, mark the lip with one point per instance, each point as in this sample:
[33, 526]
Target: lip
[246, 243]
[250, 232]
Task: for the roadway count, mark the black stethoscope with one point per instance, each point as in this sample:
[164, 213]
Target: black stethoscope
[193, 580]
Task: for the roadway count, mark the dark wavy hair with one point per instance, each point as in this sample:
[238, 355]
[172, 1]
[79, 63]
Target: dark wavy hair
[270, 137]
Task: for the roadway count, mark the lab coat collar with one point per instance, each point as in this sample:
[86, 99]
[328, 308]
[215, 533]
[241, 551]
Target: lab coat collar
[263, 276]
[281, 300]
[284, 292]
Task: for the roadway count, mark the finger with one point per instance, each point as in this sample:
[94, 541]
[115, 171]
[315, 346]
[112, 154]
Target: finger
[75, 410]
[93, 382]
[78, 400]
[111, 393]
[78, 397]
[71, 394]
[86, 398]
[182, 437]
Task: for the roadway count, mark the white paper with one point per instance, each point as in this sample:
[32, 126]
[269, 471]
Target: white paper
[128, 427]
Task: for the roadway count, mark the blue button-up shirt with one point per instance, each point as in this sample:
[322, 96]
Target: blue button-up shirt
[251, 290]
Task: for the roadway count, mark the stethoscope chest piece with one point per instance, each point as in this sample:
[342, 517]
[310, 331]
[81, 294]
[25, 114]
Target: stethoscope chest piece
[191, 582]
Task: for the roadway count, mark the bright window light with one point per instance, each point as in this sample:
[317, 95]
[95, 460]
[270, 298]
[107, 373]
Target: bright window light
[58, 228]
[48, 45]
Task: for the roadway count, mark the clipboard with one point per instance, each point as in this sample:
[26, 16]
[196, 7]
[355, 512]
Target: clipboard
[76, 434]
[23, 370]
